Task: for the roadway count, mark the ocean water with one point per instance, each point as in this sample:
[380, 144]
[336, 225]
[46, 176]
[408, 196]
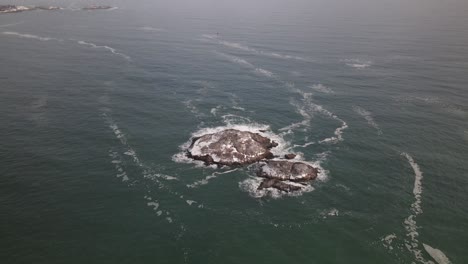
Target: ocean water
[95, 107]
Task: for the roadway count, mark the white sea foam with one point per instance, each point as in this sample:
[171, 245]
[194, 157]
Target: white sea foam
[330, 212]
[307, 109]
[154, 205]
[208, 178]
[305, 145]
[116, 161]
[190, 202]
[322, 88]
[112, 50]
[12, 24]
[338, 134]
[388, 240]
[436, 254]
[368, 116]
[29, 36]
[215, 110]
[264, 72]
[151, 29]
[190, 105]
[246, 64]
[250, 185]
[239, 46]
[413, 244]
[358, 63]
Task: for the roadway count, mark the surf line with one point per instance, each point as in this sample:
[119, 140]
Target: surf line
[413, 244]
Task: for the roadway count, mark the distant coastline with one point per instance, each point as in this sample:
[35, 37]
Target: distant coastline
[18, 9]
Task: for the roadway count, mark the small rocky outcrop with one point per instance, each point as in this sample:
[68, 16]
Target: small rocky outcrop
[17, 9]
[231, 147]
[285, 170]
[285, 175]
[96, 7]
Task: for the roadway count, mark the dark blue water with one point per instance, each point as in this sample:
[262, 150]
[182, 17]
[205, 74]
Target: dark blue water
[96, 105]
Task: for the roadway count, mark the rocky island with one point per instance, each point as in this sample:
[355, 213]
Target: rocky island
[232, 147]
[17, 9]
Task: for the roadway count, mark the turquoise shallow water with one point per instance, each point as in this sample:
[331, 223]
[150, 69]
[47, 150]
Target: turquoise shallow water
[95, 106]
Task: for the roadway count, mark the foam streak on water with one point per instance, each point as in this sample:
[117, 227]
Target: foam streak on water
[413, 244]
[368, 116]
[12, 24]
[112, 50]
[234, 45]
[207, 178]
[29, 36]
[246, 64]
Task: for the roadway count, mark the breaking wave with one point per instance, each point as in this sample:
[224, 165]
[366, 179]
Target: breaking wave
[112, 50]
[368, 116]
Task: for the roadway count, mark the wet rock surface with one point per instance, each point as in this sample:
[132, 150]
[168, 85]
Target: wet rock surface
[233, 147]
[286, 170]
[286, 175]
